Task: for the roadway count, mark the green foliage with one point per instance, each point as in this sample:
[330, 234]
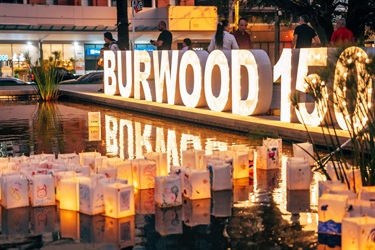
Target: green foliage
[46, 76]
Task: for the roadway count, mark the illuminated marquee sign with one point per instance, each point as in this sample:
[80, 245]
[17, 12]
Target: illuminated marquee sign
[240, 81]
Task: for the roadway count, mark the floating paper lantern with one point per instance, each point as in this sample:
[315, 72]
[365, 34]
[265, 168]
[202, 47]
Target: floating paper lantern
[240, 165]
[168, 191]
[298, 174]
[267, 158]
[125, 171]
[196, 184]
[274, 142]
[120, 232]
[91, 197]
[168, 221]
[69, 158]
[304, 150]
[145, 201]
[42, 190]
[14, 192]
[196, 212]
[222, 203]
[220, 175]
[88, 158]
[367, 193]
[58, 178]
[160, 160]
[118, 200]
[326, 186]
[193, 158]
[70, 186]
[360, 208]
[331, 211]
[358, 233]
[144, 172]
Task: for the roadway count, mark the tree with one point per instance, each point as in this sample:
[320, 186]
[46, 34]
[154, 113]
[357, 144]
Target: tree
[123, 24]
[359, 14]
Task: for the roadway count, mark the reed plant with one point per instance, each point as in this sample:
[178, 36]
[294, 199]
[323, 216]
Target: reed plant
[47, 77]
[349, 77]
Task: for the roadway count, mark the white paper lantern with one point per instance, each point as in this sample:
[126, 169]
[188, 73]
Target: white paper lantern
[118, 200]
[42, 190]
[196, 184]
[168, 191]
[304, 150]
[14, 192]
[196, 212]
[220, 176]
[358, 233]
[144, 172]
[60, 176]
[240, 165]
[125, 171]
[274, 142]
[261, 158]
[331, 211]
[360, 208]
[91, 197]
[160, 160]
[298, 174]
[193, 158]
[367, 193]
[326, 186]
[70, 186]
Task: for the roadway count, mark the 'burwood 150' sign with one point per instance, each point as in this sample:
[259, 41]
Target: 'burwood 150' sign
[239, 81]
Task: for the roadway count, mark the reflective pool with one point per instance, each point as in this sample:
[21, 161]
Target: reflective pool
[256, 214]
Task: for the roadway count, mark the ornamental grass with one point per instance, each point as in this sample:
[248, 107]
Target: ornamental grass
[349, 77]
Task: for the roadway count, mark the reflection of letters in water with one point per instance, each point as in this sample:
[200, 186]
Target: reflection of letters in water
[130, 146]
[125, 201]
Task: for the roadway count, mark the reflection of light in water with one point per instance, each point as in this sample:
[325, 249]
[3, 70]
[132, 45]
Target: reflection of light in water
[172, 152]
[130, 139]
[160, 140]
[111, 135]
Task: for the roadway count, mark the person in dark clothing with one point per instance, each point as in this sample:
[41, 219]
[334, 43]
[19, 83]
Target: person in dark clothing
[304, 34]
[165, 38]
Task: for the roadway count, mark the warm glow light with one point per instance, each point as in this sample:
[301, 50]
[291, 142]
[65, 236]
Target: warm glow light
[127, 89]
[142, 60]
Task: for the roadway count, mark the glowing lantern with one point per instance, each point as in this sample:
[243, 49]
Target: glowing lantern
[91, 197]
[196, 212]
[196, 184]
[358, 233]
[120, 232]
[88, 158]
[124, 171]
[193, 158]
[367, 193]
[326, 186]
[331, 211]
[145, 201]
[304, 150]
[360, 208]
[298, 174]
[69, 224]
[58, 178]
[160, 160]
[168, 191]
[43, 219]
[15, 221]
[168, 220]
[118, 200]
[144, 172]
[220, 175]
[42, 190]
[261, 158]
[222, 203]
[272, 142]
[240, 165]
[14, 192]
[108, 172]
[70, 186]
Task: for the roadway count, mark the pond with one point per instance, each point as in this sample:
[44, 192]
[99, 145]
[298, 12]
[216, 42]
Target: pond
[257, 214]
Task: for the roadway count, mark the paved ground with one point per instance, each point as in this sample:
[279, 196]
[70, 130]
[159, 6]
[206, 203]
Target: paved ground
[269, 125]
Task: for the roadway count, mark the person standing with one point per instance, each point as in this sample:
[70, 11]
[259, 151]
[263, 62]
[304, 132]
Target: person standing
[304, 34]
[242, 37]
[108, 38]
[222, 40]
[186, 44]
[341, 35]
[164, 41]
